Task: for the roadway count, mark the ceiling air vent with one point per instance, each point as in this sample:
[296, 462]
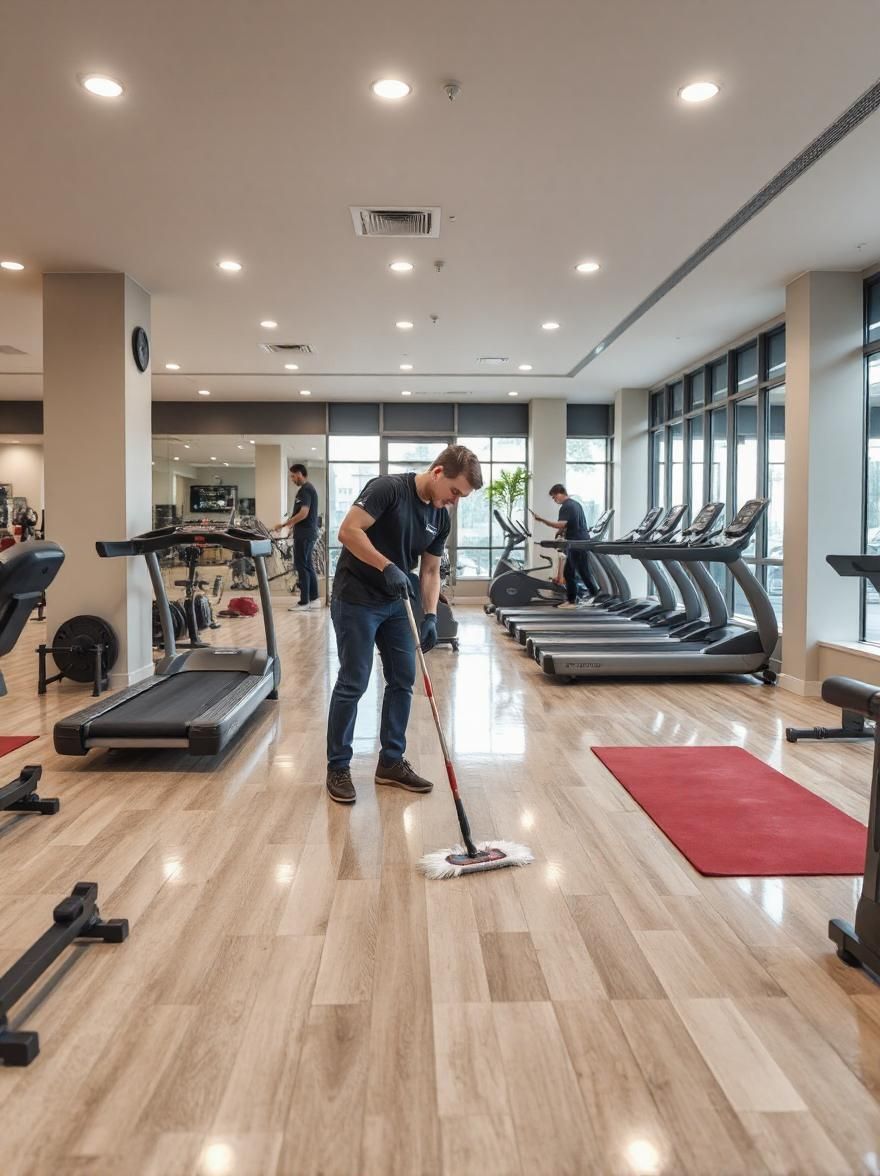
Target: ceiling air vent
[8, 349]
[396, 222]
[286, 348]
[493, 360]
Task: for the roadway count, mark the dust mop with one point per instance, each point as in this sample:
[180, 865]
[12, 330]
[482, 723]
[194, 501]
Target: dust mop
[469, 857]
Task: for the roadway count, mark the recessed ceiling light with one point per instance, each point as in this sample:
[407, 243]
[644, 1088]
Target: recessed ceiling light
[587, 267]
[314, 449]
[551, 326]
[176, 458]
[698, 91]
[391, 88]
[172, 367]
[406, 367]
[401, 267]
[11, 265]
[241, 447]
[292, 367]
[102, 86]
[185, 446]
[525, 367]
[513, 393]
[231, 267]
[226, 463]
[204, 392]
[269, 324]
[253, 442]
[405, 392]
[305, 391]
[213, 459]
[403, 325]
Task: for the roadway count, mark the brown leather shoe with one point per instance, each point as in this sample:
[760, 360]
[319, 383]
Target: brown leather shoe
[401, 775]
[339, 786]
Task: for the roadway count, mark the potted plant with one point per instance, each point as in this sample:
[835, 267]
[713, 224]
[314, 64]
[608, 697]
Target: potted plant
[508, 490]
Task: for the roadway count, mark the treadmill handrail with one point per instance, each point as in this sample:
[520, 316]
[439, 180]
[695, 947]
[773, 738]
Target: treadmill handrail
[232, 539]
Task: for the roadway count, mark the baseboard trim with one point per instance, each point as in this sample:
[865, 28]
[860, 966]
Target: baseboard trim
[120, 681]
[804, 688]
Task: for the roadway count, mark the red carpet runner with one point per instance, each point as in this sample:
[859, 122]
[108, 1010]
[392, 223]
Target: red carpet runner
[731, 814]
[13, 742]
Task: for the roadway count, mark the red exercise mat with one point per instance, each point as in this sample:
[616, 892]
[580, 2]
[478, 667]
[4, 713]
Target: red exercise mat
[731, 814]
[13, 742]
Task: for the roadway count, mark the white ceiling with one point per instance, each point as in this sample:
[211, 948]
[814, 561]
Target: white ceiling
[237, 451]
[247, 130]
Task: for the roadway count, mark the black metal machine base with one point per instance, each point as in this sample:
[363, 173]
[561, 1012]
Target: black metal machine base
[20, 796]
[75, 917]
[851, 949]
[852, 726]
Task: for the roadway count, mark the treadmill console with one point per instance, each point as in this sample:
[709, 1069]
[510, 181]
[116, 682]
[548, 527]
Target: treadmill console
[670, 523]
[602, 521]
[746, 519]
[646, 526]
[704, 520]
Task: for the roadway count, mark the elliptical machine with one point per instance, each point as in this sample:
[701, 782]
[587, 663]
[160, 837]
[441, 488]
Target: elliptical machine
[514, 586]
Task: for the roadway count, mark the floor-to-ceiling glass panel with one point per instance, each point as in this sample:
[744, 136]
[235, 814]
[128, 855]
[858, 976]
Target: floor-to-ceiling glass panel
[718, 481]
[676, 457]
[696, 429]
[776, 494]
[658, 491]
[746, 455]
[872, 494]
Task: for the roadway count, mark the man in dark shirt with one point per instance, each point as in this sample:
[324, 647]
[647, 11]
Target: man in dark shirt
[573, 522]
[304, 520]
[397, 521]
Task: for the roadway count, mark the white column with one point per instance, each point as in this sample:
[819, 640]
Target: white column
[97, 431]
[630, 457]
[824, 463]
[547, 433]
[271, 480]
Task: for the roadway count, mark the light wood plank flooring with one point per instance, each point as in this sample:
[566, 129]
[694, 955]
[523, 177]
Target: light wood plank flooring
[295, 998]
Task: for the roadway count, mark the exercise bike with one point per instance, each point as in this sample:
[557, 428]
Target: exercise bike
[516, 586]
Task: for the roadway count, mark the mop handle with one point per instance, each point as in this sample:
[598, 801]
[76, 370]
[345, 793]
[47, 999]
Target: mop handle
[450, 770]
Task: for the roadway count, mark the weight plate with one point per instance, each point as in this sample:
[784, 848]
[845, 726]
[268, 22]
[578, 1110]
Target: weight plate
[178, 617]
[73, 647]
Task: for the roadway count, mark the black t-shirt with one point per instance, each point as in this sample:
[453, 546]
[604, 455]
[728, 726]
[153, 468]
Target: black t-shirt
[405, 527]
[572, 514]
[306, 495]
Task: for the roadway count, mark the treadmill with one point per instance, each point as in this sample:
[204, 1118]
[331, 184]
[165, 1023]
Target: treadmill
[746, 651]
[635, 614]
[618, 594]
[199, 698]
[702, 614]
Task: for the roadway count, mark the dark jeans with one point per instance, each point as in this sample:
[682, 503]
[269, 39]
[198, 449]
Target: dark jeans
[360, 627]
[303, 546]
[577, 563]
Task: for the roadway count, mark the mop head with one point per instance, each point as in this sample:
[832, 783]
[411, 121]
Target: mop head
[491, 855]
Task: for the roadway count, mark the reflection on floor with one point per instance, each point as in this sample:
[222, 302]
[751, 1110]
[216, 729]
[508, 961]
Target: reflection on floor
[294, 998]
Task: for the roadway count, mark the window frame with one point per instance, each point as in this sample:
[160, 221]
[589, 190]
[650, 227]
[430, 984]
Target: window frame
[761, 388]
[869, 351]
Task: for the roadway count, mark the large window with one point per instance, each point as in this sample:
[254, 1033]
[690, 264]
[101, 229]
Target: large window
[352, 462]
[719, 435]
[871, 601]
[479, 539]
[587, 470]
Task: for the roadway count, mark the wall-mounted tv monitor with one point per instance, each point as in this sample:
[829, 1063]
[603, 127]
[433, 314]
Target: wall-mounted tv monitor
[212, 499]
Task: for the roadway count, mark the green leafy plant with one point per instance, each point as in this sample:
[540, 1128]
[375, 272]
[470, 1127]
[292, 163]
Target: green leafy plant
[508, 491]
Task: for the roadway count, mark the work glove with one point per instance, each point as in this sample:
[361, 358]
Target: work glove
[396, 581]
[428, 632]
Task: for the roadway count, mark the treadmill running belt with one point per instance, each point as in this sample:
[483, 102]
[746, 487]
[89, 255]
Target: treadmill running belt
[166, 710]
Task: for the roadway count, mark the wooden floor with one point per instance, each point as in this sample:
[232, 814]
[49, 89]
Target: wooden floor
[295, 998]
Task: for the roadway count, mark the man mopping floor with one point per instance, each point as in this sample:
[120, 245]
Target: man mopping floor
[397, 522]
